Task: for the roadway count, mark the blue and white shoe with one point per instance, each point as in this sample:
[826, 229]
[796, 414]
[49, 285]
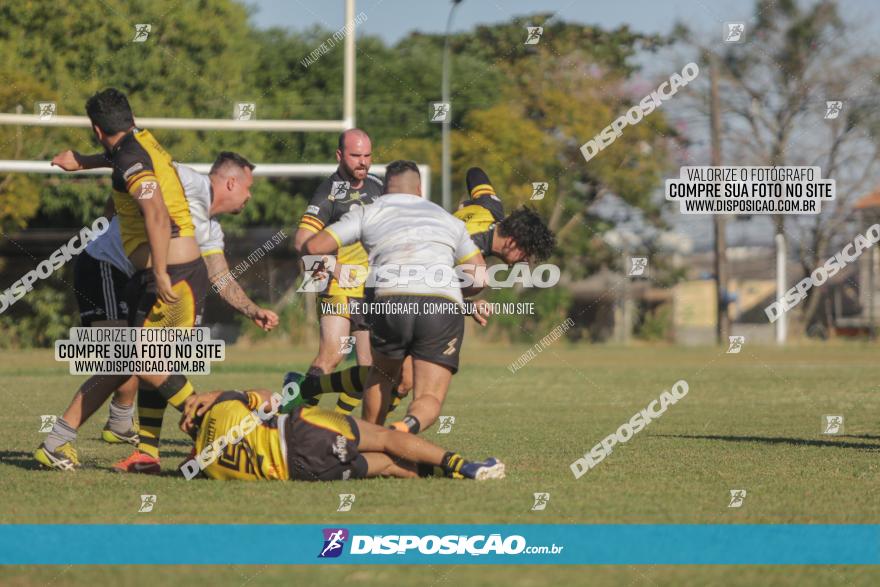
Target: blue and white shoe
[491, 468]
[297, 378]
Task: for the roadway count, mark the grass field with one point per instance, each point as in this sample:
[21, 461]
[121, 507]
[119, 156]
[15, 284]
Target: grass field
[750, 421]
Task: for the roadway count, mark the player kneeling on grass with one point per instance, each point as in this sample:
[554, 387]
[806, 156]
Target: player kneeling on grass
[309, 444]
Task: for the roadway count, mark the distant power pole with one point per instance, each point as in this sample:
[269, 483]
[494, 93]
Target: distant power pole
[722, 323]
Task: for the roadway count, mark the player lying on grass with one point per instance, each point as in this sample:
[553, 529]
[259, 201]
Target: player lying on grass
[309, 444]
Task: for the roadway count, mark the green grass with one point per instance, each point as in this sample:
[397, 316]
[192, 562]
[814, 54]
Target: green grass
[750, 421]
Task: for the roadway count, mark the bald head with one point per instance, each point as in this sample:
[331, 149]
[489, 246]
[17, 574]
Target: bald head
[355, 154]
[403, 177]
[348, 139]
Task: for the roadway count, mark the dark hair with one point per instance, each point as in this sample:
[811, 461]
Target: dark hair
[526, 228]
[229, 158]
[400, 167]
[109, 110]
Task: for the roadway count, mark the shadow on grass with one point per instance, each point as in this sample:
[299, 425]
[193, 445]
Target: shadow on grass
[21, 459]
[25, 460]
[780, 440]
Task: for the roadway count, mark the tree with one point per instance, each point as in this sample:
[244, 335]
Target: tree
[775, 91]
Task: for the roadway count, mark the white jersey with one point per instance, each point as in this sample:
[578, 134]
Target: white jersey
[402, 229]
[197, 188]
[209, 233]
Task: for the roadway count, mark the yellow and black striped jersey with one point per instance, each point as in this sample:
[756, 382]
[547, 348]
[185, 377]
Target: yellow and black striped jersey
[480, 214]
[260, 453]
[333, 198]
[138, 159]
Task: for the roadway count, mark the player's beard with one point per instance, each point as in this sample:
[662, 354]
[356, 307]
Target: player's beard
[358, 173]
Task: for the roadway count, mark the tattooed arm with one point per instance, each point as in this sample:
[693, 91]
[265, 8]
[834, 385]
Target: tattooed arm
[226, 285]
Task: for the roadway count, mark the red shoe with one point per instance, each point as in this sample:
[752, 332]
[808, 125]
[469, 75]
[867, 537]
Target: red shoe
[139, 462]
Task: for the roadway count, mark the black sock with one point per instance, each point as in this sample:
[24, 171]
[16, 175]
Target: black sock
[451, 463]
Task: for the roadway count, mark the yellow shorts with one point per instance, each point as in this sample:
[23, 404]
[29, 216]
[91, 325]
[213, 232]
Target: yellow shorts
[345, 306]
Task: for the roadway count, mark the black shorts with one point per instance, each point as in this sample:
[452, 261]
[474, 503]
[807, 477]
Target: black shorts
[323, 446]
[188, 280]
[425, 334]
[100, 290]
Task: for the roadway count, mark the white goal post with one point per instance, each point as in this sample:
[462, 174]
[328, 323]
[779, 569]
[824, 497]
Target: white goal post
[264, 169]
[261, 170]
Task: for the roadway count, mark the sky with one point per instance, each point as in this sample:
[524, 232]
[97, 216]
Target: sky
[394, 19]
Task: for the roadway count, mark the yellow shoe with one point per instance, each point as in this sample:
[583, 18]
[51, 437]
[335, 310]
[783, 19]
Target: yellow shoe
[131, 437]
[64, 458]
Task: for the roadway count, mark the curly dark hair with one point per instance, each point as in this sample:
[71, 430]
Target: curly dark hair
[109, 110]
[526, 228]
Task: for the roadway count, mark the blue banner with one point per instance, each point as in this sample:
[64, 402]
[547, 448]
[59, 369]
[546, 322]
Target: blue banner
[454, 544]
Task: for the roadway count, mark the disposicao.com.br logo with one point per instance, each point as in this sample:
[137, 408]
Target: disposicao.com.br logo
[334, 540]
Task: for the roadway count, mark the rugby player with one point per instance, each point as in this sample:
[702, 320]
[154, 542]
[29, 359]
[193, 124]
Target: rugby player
[101, 273]
[520, 237]
[312, 444]
[170, 279]
[339, 308]
[403, 229]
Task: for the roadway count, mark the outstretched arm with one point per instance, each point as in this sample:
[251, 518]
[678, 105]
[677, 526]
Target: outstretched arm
[73, 161]
[232, 293]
